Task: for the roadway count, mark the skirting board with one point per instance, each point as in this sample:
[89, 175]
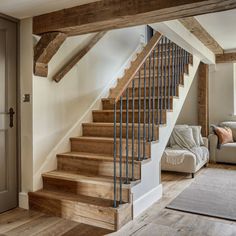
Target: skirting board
[23, 200]
[147, 200]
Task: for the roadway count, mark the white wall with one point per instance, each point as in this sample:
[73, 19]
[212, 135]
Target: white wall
[189, 112]
[221, 93]
[58, 109]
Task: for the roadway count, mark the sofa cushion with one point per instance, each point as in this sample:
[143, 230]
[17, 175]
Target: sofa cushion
[231, 125]
[182, 137]
[224, 134]
[197, 135]
[227, 153]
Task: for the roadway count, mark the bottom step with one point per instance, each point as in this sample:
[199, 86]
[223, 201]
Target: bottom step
[88, 210]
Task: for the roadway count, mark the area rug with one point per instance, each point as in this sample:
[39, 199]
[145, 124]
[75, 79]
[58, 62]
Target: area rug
[213, 193]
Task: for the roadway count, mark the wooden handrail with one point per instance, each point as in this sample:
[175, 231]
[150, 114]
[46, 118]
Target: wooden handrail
[123, 84]
[75, 59]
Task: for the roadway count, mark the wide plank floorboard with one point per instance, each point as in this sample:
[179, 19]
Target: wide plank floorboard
[155, 221]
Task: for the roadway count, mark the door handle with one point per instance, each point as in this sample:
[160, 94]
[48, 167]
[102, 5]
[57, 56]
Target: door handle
[11, 114]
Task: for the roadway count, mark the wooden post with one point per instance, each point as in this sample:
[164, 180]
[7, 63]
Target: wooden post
[203, 98]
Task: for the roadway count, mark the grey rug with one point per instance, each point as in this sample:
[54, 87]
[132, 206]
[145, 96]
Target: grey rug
[213, 193]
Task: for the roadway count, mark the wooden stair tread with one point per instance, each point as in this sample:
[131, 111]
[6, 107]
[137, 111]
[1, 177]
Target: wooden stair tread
[87, 200]
[100, 124]
[93, 156]
[88, 178]
[142, 98]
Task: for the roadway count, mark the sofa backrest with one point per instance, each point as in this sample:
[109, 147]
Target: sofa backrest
[231, 125]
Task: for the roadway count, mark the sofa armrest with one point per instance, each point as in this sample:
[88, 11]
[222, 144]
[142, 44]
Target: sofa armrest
[213, 141]
[206, 142]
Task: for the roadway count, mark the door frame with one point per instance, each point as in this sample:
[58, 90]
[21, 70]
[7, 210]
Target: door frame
[18, 101]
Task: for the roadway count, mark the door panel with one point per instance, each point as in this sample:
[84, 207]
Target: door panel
[8, 157]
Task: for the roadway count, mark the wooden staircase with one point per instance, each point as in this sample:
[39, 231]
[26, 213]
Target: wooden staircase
[82, 187]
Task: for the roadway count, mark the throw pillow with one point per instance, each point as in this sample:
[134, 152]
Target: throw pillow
[183, 138]
[231, 125]
[197, 135]
[225, 135]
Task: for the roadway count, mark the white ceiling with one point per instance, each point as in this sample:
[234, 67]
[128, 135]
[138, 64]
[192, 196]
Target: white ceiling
[27, 8]
[221, 26]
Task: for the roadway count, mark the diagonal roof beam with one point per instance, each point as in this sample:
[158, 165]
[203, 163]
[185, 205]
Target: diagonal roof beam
[197, 30]
[112, 14]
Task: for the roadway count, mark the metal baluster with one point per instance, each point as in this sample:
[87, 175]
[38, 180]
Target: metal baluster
[169, 54]
[133, 107]
[139, 115]
[144, 113]
[114, 204]
[127, 137]
[149, 99]
[158, 80]
[121, 136]
[173, 71]
[161, 79]
[153, 94]
[177, 67]
[165, 79]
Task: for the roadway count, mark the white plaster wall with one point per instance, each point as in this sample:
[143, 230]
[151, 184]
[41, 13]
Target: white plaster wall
[60, 108]
[221, 93]
[149, 190]
[189, 111]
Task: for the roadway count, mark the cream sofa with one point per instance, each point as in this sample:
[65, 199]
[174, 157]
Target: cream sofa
[226, 153]
[189, 164]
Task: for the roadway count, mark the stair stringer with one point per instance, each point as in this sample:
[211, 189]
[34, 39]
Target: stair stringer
[150, 188]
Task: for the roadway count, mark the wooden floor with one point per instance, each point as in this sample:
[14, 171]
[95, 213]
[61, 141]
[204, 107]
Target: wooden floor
[155, 221]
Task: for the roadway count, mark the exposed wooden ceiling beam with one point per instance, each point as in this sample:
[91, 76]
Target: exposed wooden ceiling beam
[112, 14]
[45, 49]
[226, 57]
[196, 29]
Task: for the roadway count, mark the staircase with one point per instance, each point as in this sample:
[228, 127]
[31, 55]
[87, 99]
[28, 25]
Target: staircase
[93, 183]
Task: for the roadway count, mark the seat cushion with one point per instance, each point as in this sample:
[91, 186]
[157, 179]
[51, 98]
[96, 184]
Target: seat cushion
[181, 161]
[227, 153]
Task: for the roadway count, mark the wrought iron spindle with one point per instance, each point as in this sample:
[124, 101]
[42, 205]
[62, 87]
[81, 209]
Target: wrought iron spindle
[114, 204]
[165, 79]
[127, 138]
[149, 99]
[133, 107]
[169, 67]
[144, 113]
[158, 81]
[121, 137]
[139, 116]
[153, 94]
[161, 79]
[173, 71]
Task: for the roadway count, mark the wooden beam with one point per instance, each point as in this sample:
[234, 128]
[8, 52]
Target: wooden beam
[203, 98]
[112, 14]
[45, 49]
[196, 29]
[75, 59]
[226, 57]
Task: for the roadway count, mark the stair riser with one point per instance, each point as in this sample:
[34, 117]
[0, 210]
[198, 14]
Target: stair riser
[161, 83]
[96, 167]
[166, 103]
[107, 147]
[79, 212]
[94, 131]
[136, 91]
[104, 191]
[166, 69]
[108, 117]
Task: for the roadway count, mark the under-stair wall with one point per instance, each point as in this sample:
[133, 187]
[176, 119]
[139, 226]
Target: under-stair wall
[150, 189]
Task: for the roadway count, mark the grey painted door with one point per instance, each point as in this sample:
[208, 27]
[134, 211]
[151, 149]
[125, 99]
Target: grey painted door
[8, 157]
